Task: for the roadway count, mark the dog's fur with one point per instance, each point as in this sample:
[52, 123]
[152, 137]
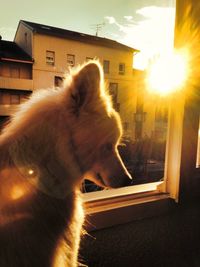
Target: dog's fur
[58, 137]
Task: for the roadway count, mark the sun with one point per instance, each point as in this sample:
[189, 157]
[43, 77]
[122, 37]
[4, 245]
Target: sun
[168, 73]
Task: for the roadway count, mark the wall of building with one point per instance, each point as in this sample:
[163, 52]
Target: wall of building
[24, 39]
[16, 84]
[15, 70]
[44, 74]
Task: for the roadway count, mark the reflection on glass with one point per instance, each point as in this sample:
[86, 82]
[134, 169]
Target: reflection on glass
[143, 147]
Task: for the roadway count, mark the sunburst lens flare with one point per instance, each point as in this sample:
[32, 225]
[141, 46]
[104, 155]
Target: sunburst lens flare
[168, 74]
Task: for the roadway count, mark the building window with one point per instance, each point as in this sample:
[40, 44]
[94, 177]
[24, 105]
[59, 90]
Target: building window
[50, 58]
[15, 71]
[70, 60]
[106, 66]
[121, 68]
[58, 81]
[88, 59]
[14, 99]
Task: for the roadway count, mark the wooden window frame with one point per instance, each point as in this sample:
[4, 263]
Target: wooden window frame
[122, 72]
[70, 63]
[49, 61]
[117, 206]
[106, 66]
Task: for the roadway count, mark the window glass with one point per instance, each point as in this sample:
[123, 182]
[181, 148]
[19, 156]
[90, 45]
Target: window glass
[50, 57]
[88, 59]
[15, 71]
[121, 68]
[58, 81]
[70, 60]
[106, 66]
[140, 97]
[14, 99]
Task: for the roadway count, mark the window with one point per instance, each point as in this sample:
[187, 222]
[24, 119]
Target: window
[14, 99]
[70, 60]
[121, 68]
[50, 58]
[15, 71]
[58, 81]
[4, 98]
[106, 66]
[88, 59]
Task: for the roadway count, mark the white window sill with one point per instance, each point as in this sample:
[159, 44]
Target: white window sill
[117, 206]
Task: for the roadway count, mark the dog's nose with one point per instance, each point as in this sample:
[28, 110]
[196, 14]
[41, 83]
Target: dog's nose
[127, 180]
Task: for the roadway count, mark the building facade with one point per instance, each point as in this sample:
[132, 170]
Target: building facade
[16, 81]
[56, 50]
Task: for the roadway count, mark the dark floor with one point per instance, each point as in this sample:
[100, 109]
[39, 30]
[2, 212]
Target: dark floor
[172, 240]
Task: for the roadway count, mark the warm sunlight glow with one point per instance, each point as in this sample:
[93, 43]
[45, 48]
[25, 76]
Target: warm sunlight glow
[168, 73]
[30, 172]
[17, 192]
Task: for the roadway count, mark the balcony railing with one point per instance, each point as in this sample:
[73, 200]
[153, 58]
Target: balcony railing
[8, 110]
[14, 83]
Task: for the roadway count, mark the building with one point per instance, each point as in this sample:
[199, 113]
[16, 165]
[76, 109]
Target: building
[54, 50]
[16, 81]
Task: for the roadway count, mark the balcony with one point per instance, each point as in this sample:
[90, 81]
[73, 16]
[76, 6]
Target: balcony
[8, 110]
[14, 83]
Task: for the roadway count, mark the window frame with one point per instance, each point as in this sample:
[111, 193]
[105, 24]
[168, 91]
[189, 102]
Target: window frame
[106, 66]
[122, 72]
[87, 59]
[13, 99]
[58, 81]
[181, 178]
[71, 63]
[108, 208]
[50, 60]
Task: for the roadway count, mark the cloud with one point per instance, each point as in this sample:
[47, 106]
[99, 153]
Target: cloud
[7, 33]
[153, 34]
[128, 18]
[111, 20]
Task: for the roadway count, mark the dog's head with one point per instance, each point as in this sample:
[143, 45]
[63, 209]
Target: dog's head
[76, 137]
[95, 129]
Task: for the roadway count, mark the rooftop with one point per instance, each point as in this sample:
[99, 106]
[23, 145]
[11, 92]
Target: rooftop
[11, 51]
[82, 37]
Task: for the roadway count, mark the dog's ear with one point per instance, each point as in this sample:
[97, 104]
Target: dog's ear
[86, 85]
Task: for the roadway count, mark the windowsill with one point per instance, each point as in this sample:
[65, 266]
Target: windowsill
[124, 191]
[122, 207]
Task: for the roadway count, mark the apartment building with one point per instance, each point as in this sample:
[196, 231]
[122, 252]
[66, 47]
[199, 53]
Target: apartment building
[55, 50]
[16, 81]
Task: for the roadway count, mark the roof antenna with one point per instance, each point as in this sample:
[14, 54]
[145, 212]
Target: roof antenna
[97, 27]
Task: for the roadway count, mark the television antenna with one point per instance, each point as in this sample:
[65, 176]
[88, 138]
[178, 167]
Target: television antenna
[97, 27]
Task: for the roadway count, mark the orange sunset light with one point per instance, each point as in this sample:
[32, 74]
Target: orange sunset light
[168, 73]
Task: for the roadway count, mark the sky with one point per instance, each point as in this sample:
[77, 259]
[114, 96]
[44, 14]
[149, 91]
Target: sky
[146, 25]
